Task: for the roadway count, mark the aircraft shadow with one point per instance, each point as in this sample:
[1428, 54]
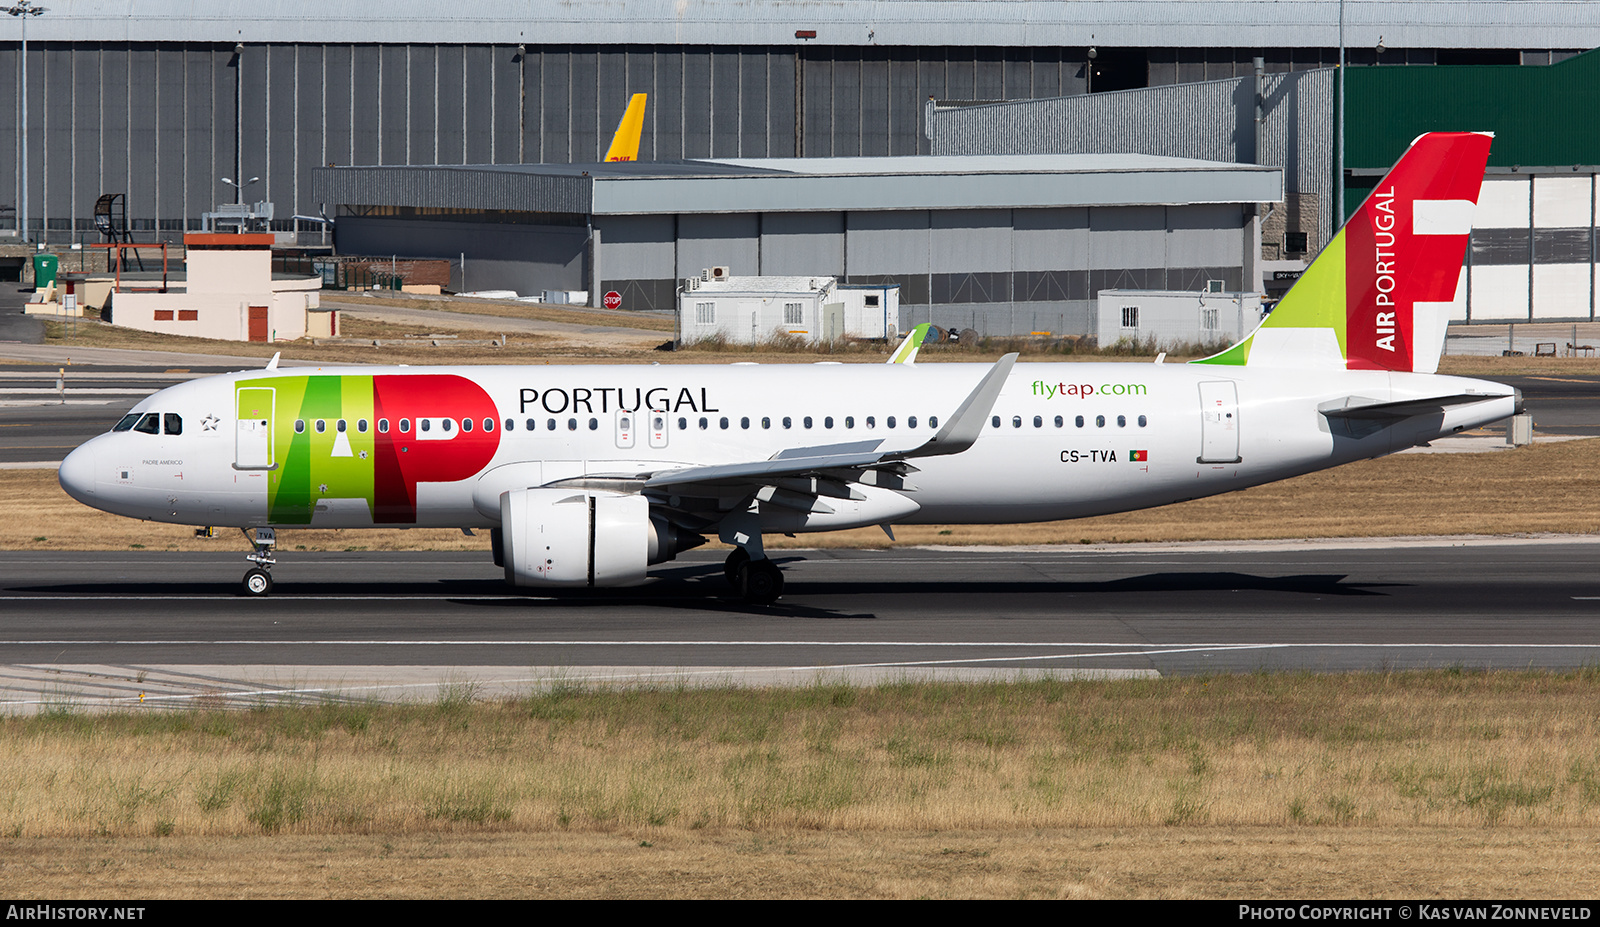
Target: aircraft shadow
[702, 587]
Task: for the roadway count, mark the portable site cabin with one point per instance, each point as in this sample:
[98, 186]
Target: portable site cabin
[1176, 317]
[747, 310]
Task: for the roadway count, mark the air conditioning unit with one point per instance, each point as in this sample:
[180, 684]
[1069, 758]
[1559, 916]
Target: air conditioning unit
[719, 273]
[1213, 286]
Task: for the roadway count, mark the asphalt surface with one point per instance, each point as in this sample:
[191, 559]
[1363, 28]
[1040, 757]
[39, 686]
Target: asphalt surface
[341, 622]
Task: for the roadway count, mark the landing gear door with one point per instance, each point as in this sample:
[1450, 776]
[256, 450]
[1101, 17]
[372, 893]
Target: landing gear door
[253, 442]
[1219, 422]
[658, 423]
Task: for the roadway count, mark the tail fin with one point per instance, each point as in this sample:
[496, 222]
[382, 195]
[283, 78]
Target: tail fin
[907, 352]
[625, 144]
[1379, 295]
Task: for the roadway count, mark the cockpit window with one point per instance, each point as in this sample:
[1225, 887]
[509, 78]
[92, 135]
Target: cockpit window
[172, 423]
[149, 423]
[127, 422]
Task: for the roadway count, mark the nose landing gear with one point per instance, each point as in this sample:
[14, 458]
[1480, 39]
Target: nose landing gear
[258, 580]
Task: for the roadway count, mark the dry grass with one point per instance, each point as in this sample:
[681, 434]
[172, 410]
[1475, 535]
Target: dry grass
[1158, 788]
[507, 309]
[1404, 863]
[1547, 488]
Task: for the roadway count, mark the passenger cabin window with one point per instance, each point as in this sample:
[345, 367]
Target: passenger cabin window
[383, 426]
[466, 424]
[889, 421]
[445, 424]
[405, 426]
[361, 425]
[933, 421]
[299, 426]
[911, 422]
[422, 423]
[322, 425]
[340, 425]
[488, 424]
[806, 421]
[172, 423]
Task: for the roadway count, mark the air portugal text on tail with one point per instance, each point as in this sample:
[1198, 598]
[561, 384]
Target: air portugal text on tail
[588, 475]
[1380, 295]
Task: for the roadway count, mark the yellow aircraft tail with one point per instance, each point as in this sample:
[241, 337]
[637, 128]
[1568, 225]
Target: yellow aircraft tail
[625, 144]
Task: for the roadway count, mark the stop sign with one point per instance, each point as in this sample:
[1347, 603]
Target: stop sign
[613, 299]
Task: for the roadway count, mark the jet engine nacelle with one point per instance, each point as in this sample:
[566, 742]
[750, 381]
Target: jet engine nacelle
[565, 537]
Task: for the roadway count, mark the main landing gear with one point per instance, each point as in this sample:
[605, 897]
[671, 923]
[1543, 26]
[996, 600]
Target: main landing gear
[258, 579]
[758, 582]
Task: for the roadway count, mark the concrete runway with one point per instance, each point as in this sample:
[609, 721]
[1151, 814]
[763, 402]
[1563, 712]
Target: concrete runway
[101, 628]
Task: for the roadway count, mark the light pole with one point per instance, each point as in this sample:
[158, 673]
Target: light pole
[23, 9]
[1338, 189]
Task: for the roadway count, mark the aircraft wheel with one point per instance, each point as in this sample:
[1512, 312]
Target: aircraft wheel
[736, 559]
[257, 582]
[760, 582]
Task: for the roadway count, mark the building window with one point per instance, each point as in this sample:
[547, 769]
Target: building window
[705, 313]
[1130, 316]
[793, 314]
[1294, 242]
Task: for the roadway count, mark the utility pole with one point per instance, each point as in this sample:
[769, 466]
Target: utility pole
[24, 9]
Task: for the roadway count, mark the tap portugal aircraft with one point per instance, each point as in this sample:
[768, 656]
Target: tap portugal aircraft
[586, 476]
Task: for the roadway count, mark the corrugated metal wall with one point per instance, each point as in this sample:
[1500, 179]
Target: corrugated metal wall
[1213, 121]
[103, 115]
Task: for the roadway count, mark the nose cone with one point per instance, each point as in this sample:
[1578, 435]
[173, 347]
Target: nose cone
[77, 473]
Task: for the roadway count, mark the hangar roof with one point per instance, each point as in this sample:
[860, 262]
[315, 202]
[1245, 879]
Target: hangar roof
[961, 23]
[805, 184]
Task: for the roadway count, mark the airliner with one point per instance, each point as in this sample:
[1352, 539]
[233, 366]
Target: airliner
[587, 476]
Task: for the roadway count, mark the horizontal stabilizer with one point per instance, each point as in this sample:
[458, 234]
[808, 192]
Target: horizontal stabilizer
[1355, 407]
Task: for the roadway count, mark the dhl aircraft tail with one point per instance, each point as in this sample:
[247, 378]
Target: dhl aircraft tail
[625, 144]
[1380, 294]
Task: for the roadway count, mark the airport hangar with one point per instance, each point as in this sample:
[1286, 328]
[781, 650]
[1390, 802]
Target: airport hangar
[1535, 253]
[160, 100]
[1002, 244]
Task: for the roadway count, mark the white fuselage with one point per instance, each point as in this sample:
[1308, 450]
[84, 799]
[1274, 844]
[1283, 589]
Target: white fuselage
[1072, 439]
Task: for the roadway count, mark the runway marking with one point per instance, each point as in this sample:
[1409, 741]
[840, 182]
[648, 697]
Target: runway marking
[562, 642]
